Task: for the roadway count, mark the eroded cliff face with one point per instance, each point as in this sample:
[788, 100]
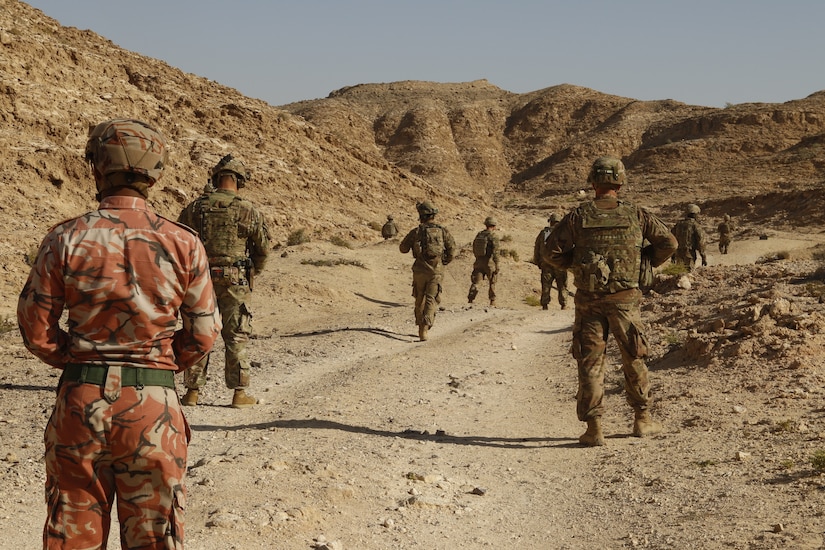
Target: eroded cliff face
[337, 166]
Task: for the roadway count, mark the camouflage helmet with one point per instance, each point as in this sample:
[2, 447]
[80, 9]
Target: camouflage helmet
[490, 221]
[125, 145]
[426, 208]
[692, 209]
[607, 170]
[389, 217]
[726, 217]
[554, 218]
[230, 165]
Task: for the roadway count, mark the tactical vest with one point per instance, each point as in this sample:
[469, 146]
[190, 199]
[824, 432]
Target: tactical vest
[607, 255]
[429, 244]
[685, 233]
[217, 224]
[389, 230]
[482, 244]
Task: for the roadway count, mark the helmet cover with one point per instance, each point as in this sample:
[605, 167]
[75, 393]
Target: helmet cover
[231, 165]
[426, 208]
[126, 145]
[607, 170]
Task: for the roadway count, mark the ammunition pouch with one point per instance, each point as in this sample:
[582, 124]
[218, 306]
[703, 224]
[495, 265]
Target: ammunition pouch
[236, 274]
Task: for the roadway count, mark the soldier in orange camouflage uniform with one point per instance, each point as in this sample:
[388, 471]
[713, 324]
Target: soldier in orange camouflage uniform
[128, 279]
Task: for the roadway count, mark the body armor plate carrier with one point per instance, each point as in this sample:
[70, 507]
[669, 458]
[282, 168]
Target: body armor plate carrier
[607, 255]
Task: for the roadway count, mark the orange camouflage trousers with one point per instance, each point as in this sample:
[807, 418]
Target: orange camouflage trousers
[132, 450]
[597, 316]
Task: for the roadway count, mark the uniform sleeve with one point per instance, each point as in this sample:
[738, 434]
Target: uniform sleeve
[407, 243]
[201, 322]
[496, 248]
[537, 249]
[557, 250]
[185, 216]
[449, 247]
[662, 242]
[258, 242]
[40, 306]
[700, 238]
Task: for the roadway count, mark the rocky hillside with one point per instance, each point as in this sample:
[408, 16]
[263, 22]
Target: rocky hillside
[538, 146]
[337, 166]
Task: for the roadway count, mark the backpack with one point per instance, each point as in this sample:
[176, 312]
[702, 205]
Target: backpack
[684, 232]
[431, 241]
[482, 244]
[217, 225]
[389, 230]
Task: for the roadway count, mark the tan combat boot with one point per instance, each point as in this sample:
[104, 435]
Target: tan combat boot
[190, 398]
[645, 425]
[241, 400]
[593, 437]
[422, 332]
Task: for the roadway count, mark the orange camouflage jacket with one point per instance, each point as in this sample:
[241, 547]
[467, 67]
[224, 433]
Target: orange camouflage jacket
[136, 287]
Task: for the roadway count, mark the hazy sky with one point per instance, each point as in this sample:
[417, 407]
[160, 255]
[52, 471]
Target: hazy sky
[701, 52]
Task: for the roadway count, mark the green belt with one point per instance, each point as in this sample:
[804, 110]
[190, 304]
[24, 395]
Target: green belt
[130, 376]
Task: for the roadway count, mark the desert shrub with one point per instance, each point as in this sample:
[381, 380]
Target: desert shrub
[506, 238]
[375, 226]
[340, 241]
[674, 269]
[7, 324]
[532, 300]
[705, 463]
[299, 236]
[815, 289]
[818, 460]
[505, 252]
[784, 426]
[333, 263]
[775, 257]
[819, 255]
[673, 339]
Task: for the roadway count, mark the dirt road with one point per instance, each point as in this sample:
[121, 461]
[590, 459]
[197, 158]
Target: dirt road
[368, 439]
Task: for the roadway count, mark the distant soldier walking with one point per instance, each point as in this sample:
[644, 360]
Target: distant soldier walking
[389, 230]
[433, 247]
[486, 247]
[601, 242]
[236, 239]
[691, 238]
[725, 229]
[548, 272]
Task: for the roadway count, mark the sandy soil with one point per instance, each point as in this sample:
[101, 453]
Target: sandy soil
[368, 439]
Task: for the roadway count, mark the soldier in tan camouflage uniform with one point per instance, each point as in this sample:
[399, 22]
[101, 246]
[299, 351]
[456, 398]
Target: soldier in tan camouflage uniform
[389, 229]
[126, 278]
[236, 238]
[486, 246]
[601, 242]
[548, 272]
[433, 247]
[725, 229]
[691, 238]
